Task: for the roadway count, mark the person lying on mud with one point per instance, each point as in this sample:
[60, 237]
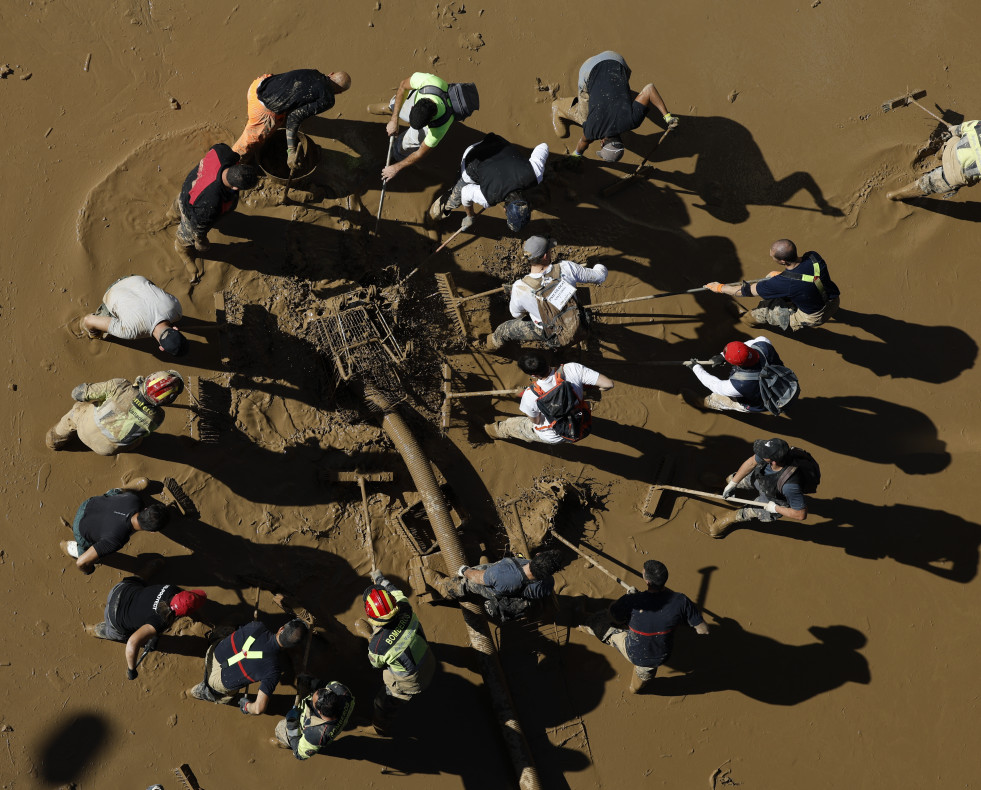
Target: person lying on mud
[508, 587]
[605, 107]
[209, 191]
[802, 294]
[537, 315]
[287, 99]
[960, 166]
[134, 307]
[112, 416]
[137, 613]
[493, 171]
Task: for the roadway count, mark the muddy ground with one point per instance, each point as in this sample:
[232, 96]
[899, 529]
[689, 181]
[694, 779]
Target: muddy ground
[843, 651]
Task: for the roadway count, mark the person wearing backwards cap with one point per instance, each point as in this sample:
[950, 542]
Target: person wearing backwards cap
[249, 655]
[134, 307]
[396, 645]
[115, 415]
[606, 107]
[493, 171]
[137, 613]
[764, 472]
[528, 292]
[734, 393]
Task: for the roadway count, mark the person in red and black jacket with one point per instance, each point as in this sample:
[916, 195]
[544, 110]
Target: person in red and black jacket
[210, 190]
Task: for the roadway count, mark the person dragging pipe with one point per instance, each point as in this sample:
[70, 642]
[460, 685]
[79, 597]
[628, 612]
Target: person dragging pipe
[641, 625]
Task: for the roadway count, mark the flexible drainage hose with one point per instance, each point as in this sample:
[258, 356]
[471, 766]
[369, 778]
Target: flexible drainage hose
[439, 516]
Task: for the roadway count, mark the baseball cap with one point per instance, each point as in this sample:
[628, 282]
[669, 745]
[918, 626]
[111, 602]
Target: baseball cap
[187, 601]
[537, 246]
[173, 342]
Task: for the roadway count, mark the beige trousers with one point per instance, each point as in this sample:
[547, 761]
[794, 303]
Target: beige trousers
[80, 421]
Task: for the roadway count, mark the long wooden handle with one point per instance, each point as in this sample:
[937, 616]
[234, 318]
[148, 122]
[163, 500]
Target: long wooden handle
[458, 232]
[655, 296]
[367, 522]
[707, 494]
[593, 562]
[491, 292]
[654, 147]
[484, 393]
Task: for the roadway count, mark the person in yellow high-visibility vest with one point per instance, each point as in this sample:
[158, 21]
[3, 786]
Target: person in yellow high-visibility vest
[961, 166]
[249, 655]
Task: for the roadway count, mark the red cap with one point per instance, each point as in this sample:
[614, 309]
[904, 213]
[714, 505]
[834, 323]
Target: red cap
[740, 354]
[187, 601]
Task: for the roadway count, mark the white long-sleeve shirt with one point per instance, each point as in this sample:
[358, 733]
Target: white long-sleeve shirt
[471, 192]
[523, 298]
[723, 386]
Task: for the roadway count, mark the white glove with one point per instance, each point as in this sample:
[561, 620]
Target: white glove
[78, 393]
[466, 223]
[729, 490]
[771, 507]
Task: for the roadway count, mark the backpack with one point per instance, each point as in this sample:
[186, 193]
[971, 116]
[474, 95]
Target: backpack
[462, 100]
[559, 323]
[779, 386]
[568, 414]
[808, 471]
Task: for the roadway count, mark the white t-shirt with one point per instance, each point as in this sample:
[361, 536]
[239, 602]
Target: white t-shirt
[523, 299]
[137, 305]
[577, 375]
[471, 192]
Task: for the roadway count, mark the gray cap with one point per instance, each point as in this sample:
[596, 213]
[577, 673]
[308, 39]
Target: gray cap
[537, 246]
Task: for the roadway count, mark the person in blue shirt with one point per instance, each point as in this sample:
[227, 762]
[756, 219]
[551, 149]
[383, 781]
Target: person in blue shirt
[798, 295]
[765, 472]
[641, 625]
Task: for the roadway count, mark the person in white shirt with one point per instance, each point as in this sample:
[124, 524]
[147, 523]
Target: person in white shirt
[526, 325]
[493, 171]
[535, 427]
[134, 307]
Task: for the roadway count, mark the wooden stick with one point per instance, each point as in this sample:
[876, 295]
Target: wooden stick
[707, 494]
[367, 521]
[593, 562]
[618, 185]
[657, 296]
[484, 392]
[458, 232]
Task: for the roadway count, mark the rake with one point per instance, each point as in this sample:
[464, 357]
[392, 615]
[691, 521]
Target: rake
[448, 395]
[452, 300]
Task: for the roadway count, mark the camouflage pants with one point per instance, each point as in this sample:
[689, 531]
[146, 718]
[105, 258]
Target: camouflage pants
[521, 330]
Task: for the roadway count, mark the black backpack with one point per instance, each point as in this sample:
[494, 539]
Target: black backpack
[779, 386]
[807, 469]
[568, 414]
[462, 99]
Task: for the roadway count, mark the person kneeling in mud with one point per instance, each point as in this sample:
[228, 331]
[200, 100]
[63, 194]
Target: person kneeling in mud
[508, 587]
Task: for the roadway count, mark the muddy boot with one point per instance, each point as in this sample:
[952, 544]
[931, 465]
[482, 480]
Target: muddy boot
[385, 708]
[718, 527]
[491, 430]
[909, 191]
[202, 692]
[135, 483]
[53, 442]
[491, 343]
[444, 585]
[98, 631]
[201, 243]
[559, 124]
[637, 685]
[437, 210]
[694, 399]
[380, 108]
[186, 253]
[362, 628]
[274, 741]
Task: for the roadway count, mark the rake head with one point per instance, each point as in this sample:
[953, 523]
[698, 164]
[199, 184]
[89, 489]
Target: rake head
[448, 293]
[903, 101]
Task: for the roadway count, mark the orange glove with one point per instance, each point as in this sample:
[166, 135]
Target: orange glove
[714, 286]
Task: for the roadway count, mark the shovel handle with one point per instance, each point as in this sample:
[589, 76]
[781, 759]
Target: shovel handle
[593, 562]
[656, 296]
[707, 494]
[457, 233]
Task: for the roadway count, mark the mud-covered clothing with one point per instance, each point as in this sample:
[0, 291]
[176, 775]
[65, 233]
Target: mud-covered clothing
[745, 393]
[314, 732]
[808, 285]
[962, 155]
[250, 655]
[398, 644]
[764, 479]
[135, 306]
[577, 375]
[523, 300]
[651, 618]
[493, 168]
[612, 110]
[506, 578]
[121, 414]
[133, 604]
[105, 522]
[204, 196]
[298, 95]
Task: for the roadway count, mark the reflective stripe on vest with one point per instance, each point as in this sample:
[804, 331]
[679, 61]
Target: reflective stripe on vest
[975, 143]
[404, 639]
[815, 280]
[244, 652]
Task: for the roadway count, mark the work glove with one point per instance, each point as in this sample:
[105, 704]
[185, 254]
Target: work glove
[377, 577]
[631, 590]
[717, 360]
[467, 222]
[670, 120]
[729, 490]
[243, 704]
[771, 507]
[462, 570]
[690, 363]
[131, 674]
[79, 393]
[714, 286]
[291, 157]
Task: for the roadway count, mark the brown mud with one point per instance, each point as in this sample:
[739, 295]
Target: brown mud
[843, 650]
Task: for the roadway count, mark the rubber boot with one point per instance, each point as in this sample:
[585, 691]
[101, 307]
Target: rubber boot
[380, 108]
[637, 685]
[186, 253]
[491, 430]
[718, 527]
[98, 631]
[135, 483]
[52, 442]
[693, 399]
[909, 191]
[491, 343]
[559, 124]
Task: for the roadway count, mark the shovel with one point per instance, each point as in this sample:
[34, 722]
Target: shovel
[710, 496]
[381, 200]
[615, 187]
[593, 562]
[655, 296]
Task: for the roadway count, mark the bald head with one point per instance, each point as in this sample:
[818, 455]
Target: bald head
[783, 250]
[341, 80]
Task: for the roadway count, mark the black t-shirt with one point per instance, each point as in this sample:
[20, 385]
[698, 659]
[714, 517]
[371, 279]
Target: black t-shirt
[611, 110]
[139, 602]
[299, 93]
[264, 670]
[651, 618]
[105, 522]
[204, 196]
[804, 295]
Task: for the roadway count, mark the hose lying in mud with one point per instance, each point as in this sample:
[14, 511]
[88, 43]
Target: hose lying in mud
[439, 516]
